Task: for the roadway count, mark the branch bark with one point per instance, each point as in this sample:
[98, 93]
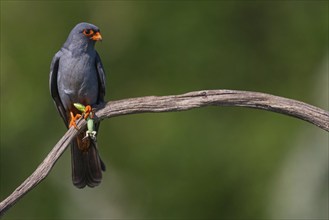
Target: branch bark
[172, 103]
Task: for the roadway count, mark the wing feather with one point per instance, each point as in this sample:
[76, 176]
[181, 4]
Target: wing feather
[101, 79]
[54, 88]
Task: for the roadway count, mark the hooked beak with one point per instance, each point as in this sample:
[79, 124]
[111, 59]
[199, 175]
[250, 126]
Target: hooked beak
[97, 36]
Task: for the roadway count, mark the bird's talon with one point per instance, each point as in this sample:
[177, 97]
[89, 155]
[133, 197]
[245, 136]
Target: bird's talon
[73, 120]
[87, 112]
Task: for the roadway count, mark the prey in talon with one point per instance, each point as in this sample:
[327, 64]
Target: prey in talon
[90, 126]
[88, 115]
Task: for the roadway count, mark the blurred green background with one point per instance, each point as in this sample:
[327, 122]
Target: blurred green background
[215, 162]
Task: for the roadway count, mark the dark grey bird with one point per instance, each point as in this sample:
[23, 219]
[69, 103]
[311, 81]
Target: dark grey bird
[77, 76]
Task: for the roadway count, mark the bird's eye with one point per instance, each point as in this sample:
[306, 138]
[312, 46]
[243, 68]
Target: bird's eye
[88, 32]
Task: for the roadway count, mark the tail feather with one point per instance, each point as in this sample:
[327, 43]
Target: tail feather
[87, 166]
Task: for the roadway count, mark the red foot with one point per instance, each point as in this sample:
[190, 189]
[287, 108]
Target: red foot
[87, 112]
[73, 120]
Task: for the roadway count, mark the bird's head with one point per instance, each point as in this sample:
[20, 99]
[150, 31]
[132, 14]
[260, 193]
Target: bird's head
[83, 35]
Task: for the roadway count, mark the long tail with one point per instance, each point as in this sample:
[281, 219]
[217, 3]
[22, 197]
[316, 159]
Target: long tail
[87, 166]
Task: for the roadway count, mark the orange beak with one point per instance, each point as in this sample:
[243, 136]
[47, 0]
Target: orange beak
[97, 37]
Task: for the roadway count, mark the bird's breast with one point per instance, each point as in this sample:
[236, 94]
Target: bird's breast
[77, 80]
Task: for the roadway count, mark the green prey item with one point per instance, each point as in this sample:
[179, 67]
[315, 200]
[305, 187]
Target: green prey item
[80, 107]
[90, 122]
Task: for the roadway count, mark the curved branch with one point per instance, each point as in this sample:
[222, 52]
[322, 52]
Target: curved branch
[198, 99]
[173, 103]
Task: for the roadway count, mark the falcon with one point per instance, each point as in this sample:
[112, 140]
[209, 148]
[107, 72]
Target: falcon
[77, 76]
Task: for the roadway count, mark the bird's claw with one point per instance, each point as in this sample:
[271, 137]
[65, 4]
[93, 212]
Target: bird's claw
[87, 112]
[74, 119]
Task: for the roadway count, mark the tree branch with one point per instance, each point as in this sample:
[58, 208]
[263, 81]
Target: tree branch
[173, 103]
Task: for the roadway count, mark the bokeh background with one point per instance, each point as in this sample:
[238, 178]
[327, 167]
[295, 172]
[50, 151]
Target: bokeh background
[214, 162]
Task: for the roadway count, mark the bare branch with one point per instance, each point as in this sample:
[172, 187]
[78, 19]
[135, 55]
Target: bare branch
[173, 103]
[198, 99]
